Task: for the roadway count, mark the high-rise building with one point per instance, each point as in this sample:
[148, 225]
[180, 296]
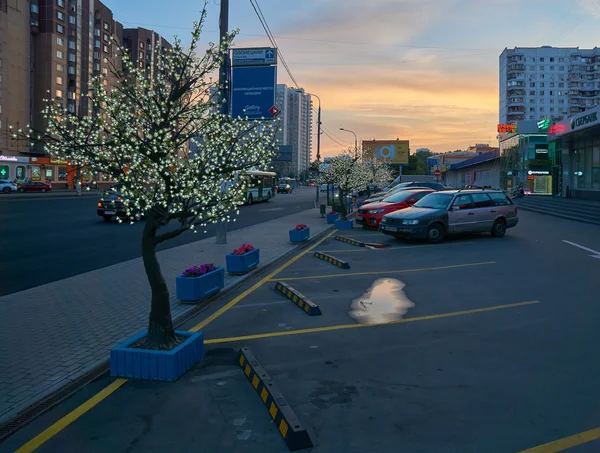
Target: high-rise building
[142, 45]
[296, 117]
[548, 82]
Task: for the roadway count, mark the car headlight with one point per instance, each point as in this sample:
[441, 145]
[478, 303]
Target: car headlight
[376, 211]
[384, 218]
[410, 222]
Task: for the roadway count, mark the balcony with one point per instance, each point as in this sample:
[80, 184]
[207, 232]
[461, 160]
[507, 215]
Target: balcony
[515, 75]
[516, 109]
[516, 92]
[516, 67]
[515, 58]
[573, 84]
[515, 84]
[515, 117]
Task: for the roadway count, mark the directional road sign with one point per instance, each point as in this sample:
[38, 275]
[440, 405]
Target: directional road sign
[253, 92]
[254, 56]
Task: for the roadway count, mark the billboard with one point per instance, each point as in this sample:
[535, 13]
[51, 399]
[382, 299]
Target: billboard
[394, 151]
[253, 92]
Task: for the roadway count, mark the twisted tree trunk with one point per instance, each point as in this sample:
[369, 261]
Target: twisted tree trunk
[161, 334]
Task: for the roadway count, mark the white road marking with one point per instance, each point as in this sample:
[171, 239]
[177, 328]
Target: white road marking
[596, 254]
[271, 209]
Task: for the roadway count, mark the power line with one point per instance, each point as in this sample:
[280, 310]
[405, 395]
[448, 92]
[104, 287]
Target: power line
[333, 139]
[583, 17]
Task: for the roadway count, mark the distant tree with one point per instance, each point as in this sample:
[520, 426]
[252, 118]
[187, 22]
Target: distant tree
[138, 134]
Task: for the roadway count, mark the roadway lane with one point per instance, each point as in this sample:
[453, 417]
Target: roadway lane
[47, 239]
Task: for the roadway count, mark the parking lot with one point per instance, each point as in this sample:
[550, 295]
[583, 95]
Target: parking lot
[478, 344]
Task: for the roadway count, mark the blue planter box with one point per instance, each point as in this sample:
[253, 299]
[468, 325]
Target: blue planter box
[343, 224]
[241, 264]
[198, 288]
[299, 235]
[156, 365]
[331, 218]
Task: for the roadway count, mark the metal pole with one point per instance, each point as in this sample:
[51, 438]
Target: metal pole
[221, 227]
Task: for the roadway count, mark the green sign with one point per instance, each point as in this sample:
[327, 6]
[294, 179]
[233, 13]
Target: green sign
[585, 119]
[544, 125]
[4, 171]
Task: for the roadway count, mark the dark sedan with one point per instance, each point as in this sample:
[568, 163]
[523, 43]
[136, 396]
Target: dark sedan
[113, 204]
[284, 188]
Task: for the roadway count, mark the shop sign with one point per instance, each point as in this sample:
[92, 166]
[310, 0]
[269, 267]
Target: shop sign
[508, 128]
[530, 177]
[59, 162]
[544, 125]
[556, 129]
[538, 172]
[24, 160]
[583, 120]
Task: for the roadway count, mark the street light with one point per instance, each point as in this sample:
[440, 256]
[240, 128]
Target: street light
[355, 141]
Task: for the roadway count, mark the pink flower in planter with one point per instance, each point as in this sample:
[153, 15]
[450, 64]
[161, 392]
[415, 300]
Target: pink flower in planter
[333, 212]
[300, 226]
[245, 248]
[197, 271]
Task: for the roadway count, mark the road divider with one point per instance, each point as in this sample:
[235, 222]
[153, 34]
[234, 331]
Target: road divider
[310, 308]
[294, 434]
[332, 260]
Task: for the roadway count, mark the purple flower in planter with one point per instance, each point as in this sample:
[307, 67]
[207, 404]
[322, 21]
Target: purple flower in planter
[197, 271]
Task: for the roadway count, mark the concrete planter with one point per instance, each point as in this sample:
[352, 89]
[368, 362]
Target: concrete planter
[331, 218]
[241, 264]
[198, 288]
[343, 224]
[156, 365]
[299, 235]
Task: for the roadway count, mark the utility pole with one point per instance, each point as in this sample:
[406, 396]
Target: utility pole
[224, 95]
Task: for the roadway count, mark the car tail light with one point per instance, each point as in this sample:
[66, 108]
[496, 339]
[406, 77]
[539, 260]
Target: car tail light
[99, 204]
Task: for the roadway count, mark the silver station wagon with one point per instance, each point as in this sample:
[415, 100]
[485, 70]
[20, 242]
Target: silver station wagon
[453, 212]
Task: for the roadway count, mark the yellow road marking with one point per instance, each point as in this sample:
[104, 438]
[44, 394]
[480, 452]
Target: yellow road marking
[359, 326]
[400, 271]
[567, 442]
[257, 285]
[367, 249]
[50, 432]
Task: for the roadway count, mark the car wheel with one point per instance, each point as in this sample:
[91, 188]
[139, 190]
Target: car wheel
[499, 228]
[107, 218]
[6, 190]
[22, 190]
[250, 199]
[43, 190]
[435, 234]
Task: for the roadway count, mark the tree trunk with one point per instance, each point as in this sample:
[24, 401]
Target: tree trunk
[161, 334]
[344, 209]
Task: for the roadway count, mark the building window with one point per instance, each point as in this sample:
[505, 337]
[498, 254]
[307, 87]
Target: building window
[96, 32]
[542, 84]
[532, 93]
[532, 84]
[59, 67]
[60, 41]
[551, 84]
[105, 48]
[561, 85]
[105, 60]
[71, 19]
[541, 109]
[542, 93]
[97, 55]
[561, 101]
[62, 173]
[531, 117]
[60, 28]
[105, 71]
[532, 109]
[551, 101]
[551, 68]
[551, 93]
[551, 59]
[71, 70]
[532, 68]
[60, 15]
[542, 60]
[532, 101]
[541, 68]
[60, 3]
[542, 76]
[59, 54]
[72, 45]
[105, 26]
[49, 173]
[59, 80]
[552, 109]
[141, 45]
[97, 43]
[72, 58]
[106, 38]
[561, 60]
[104, 82]
[59, 94]
[141, 55]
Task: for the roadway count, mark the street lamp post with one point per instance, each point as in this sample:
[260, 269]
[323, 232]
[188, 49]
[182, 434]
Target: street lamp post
[355, 141]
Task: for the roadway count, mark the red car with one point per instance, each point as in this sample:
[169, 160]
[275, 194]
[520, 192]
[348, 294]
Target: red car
[35, 186]
[371, 214]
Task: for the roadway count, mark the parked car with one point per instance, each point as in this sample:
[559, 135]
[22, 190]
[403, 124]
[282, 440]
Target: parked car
[7, 186]
[451, 212]
[113, 204]
[35, 186]
[382, 195]
[371, 214]
[284, 188]
[430, 184]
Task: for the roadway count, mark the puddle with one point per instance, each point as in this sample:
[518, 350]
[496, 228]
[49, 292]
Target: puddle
[383, 302]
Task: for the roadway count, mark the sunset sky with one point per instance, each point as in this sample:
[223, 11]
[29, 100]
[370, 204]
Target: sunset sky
[422, 70]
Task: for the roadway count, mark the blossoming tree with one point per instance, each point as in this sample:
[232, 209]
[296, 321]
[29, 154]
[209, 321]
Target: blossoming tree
[378, 171]
[138, 134]
[348, 174]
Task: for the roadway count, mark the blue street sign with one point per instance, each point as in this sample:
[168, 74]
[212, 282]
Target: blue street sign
[253, 92]
[254, 56]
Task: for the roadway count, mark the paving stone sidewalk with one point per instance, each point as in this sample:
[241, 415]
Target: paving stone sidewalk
[55, 333]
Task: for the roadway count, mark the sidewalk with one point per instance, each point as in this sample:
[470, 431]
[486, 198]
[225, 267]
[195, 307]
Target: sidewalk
[51, 194]
[54, 334]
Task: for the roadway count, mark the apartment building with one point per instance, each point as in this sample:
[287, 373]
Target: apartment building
[296, 118]
[142, 45]
[548, 82]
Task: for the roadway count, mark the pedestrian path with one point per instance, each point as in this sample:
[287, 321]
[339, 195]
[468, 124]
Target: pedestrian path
[54, 334]
[568, 208]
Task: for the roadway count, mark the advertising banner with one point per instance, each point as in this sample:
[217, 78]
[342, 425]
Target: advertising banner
[396, 152]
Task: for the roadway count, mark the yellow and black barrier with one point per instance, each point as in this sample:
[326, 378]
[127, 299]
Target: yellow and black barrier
[349, 241]
[293, 433]
[298, 298]
[332, 260]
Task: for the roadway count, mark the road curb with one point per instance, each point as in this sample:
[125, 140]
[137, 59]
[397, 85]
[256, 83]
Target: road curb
[294, 434]
[350, 241]
[101, 368]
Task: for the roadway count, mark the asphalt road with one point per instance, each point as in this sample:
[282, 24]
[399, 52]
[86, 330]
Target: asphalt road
[497, 353]
[45, 237]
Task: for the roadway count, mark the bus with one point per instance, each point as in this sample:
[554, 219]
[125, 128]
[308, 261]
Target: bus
[261, 186]
[286, 180]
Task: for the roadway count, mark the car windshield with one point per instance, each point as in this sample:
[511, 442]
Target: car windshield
[434, 201]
